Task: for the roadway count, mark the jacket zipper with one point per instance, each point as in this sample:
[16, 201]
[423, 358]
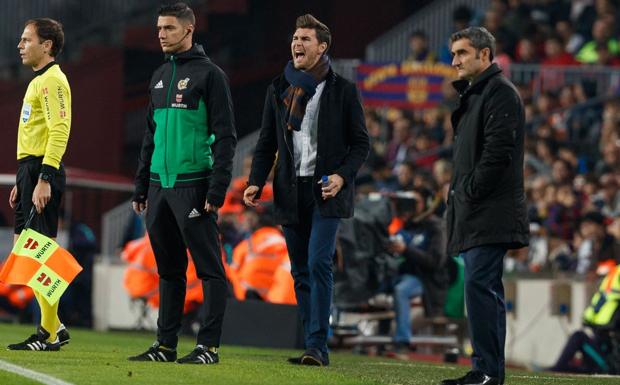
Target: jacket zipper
[167, 109]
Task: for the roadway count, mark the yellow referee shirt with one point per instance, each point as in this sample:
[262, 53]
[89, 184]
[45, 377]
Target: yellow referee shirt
[46, 116]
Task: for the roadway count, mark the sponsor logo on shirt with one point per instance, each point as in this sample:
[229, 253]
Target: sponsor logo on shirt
[179, 98]
[61, 102]
[159, 84]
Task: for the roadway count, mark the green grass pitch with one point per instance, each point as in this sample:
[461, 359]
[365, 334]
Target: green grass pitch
[94, 358]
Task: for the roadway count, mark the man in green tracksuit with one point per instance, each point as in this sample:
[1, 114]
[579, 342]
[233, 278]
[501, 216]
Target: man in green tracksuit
[183, 172]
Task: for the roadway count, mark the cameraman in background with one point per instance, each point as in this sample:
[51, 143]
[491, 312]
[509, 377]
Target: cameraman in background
[419, 237]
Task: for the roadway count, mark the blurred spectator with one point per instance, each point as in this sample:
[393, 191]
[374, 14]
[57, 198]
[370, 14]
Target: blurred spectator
[397, 147]
[257, 258]
[525, 51]
[593, 245]
[563, 214]
[613, 229]
[418, 49]
[378, 136]
[562, 172]
[572, 40]
[423, 179]
[583, 13]
[493, 23]
[610, 125]
[134, 229]
[607, 200]
[601, 34]
[83, 246]
[597, 341]
[517, 17]
[442, 174]
[15, 300]
[559, 119]
[421, 151]
[432, 121]
[544, 156]
[404, 175]
[382, 176]
[462, 17]
[450, 97]
[555, 54]
[604, 57]
[583, 120]
[421, 244]
[502, 58]
[610, 160]
[539, 248]
[537, 210]
[546, 103]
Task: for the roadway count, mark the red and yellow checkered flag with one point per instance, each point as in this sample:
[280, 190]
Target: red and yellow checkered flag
[39, 262]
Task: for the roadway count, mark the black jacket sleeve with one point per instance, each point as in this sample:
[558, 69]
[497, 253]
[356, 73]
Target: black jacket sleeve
[266, 146]
[359, 141]
[144, 159]
[501, 120]
[221, 122]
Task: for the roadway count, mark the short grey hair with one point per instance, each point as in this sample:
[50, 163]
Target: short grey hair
[479, 37]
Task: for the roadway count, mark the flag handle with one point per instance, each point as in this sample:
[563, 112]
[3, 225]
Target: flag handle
[33, 212]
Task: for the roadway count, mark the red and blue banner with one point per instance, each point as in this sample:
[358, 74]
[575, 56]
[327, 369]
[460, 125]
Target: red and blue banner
[403, 85]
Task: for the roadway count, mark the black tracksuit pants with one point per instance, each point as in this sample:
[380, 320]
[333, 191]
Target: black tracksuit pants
[176, 219]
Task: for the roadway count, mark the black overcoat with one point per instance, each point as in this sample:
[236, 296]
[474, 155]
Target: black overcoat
[486, 202]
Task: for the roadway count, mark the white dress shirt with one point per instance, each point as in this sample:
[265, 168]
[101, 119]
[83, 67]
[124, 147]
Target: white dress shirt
[305, 140]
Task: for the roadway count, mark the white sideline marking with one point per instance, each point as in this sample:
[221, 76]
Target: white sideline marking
[31, 374]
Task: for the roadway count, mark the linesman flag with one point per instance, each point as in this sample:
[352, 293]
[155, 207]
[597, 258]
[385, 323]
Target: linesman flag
[39, 262]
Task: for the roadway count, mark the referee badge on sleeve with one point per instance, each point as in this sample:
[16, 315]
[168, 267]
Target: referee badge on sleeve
[26, 110]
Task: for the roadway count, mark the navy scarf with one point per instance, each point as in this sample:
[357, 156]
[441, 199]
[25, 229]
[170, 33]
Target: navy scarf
[302, 88]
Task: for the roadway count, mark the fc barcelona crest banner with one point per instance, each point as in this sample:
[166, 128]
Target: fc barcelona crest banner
[403, 85]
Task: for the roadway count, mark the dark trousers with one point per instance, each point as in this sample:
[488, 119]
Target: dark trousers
[176, 220]
[486, 311]
[311, 245]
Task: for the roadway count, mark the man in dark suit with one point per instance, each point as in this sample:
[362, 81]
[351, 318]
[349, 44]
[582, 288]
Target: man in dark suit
[314, 121]
[486, 212]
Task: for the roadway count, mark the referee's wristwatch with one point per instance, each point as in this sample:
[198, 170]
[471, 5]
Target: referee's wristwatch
[46, 177]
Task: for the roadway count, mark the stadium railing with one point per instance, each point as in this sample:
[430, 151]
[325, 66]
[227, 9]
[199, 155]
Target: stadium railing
[114, 226]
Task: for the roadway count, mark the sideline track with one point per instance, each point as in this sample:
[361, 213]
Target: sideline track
[31, 374]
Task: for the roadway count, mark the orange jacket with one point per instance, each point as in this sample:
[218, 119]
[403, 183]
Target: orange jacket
[142, 281]
[283, 288]
[18, 296]
[255, 261]
[193, 293]
[395, 226]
